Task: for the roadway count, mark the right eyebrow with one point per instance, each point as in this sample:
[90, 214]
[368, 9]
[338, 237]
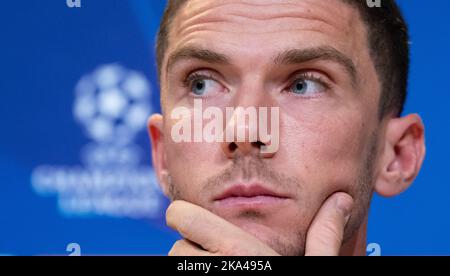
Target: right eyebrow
[191, 52]
[297, 56]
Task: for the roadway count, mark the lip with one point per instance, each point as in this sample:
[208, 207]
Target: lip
[252, 195]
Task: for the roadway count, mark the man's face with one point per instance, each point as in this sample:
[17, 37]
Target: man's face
[310, 58]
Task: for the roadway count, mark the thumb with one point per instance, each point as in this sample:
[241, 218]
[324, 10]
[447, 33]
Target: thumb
[326, 232]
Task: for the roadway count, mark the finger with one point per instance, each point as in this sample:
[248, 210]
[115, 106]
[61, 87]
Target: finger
[187, 248]
[199, 225]
[326, 232]
[210, 231]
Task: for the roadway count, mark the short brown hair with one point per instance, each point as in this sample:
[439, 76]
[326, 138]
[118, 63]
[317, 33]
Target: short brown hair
[388, 40]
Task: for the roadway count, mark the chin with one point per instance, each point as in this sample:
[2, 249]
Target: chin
[281, 239]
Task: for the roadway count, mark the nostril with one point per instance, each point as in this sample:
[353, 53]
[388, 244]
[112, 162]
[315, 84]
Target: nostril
[232, 146]
[258, 144]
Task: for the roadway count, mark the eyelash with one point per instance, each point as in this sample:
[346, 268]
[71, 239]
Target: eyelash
[187, 82]
[195, 76]
[311, 77]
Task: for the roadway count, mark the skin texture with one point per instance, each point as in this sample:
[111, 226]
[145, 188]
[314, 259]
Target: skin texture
[334, 152]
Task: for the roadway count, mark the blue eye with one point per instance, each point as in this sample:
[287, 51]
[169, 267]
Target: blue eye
[198, 87]
[202, 86]
[300, 87]
[307, 87]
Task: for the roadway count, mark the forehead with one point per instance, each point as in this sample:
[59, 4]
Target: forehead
[267, 24]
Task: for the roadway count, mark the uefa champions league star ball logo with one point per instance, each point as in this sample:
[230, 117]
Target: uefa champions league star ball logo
[112, 105]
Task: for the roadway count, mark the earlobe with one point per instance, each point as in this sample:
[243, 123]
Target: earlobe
[402, 156]
[155, 131]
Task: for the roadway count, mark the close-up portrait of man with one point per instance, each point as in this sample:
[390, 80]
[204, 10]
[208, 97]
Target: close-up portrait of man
[331, 77]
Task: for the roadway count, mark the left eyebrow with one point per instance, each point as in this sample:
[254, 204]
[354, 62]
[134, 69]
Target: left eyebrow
[192, 52]
[298, 56]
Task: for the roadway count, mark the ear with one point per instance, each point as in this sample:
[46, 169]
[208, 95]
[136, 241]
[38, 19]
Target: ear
[402, 156]
[156, 133]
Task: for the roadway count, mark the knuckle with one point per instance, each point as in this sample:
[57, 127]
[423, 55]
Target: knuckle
[330, 233]
[330, 229]
[172, 209]
[169, 212]
[186, 224]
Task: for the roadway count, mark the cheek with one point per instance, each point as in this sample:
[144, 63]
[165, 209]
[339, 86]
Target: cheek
[325, 152]
[190, 164]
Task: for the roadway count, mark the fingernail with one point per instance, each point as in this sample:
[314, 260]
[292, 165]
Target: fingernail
[344, 204]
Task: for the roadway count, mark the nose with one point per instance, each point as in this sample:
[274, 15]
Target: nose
[242, 138]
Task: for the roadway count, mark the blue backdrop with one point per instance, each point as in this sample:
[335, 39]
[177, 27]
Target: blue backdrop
[72, 77]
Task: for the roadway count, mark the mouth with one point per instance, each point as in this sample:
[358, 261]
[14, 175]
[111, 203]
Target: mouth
[249, 196]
